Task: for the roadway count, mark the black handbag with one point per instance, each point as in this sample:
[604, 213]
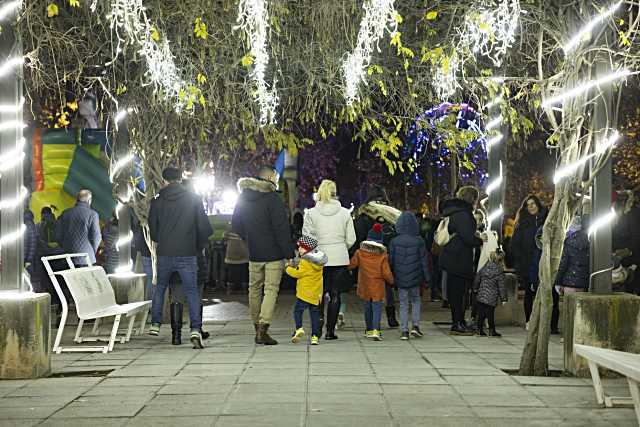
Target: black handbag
[343, 280]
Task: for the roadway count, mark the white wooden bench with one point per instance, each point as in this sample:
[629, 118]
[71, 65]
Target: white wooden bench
[627, 364]
[94, 299]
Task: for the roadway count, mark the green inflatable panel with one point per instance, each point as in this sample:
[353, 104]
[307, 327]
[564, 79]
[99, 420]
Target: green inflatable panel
[87, 172]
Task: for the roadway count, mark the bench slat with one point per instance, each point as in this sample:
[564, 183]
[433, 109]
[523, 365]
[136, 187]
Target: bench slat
[624, 363]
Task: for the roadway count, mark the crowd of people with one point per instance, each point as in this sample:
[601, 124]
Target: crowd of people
[381, 252]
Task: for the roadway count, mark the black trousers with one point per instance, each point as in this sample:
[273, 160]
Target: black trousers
[330, 297]
[530, 296]
[486, 311]
[456, 291]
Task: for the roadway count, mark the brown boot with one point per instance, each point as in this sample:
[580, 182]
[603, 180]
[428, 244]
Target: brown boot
[263, 336]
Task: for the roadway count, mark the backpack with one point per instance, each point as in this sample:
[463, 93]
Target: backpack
[442, 236]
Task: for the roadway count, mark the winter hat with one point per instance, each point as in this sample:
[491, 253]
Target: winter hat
[375, 234]
[308, 243]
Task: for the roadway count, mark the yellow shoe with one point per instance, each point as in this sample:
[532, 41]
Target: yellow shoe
[314, 340]
[375, 335]
[367, 334]
[296, 337]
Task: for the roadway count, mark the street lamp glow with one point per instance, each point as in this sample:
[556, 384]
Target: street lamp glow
[577, 39]
[579, 90]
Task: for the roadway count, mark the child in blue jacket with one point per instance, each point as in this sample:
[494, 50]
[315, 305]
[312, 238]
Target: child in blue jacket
[408, 259]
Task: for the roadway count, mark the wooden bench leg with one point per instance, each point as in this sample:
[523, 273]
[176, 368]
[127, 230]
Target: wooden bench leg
[597, 383]
[114, 332]
[96, 326]
[63, 321]
[143, 321]
[635, 395]
[78, 337]
[127, 337]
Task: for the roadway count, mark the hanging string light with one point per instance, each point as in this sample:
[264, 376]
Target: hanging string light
[379, 16]
[490, 29]
[253, 19]
[129, 22]
[496, 183]
[604, 220]
[445, 80]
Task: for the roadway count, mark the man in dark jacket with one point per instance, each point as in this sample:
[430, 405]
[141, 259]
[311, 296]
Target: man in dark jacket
[408, 260]
[78, 229]
[457, 256]
[260, 219]
[180, 227]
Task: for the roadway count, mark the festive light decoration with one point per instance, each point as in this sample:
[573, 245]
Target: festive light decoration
[495, 215]
[125, 270]
[12, 108]
[493, 103]
[494, 123]
[10, 65]
[586, 30]
[494, 140]
[445, 80]
[489, 29]
[119, 165]
[9, 8]
[572, 168]
[602, 221]
[125, 240]
[253, 19]
[129, 21]
[379, 16]
[14, 203]
[496, 183]
[424, 143]
[579, 90]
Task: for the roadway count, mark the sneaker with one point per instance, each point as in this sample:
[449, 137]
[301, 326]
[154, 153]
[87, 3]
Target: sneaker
[526, 326]
[340, 320]
[416, 332]
[404, 336]
[315, 340]
[367, 334]
[375, 335]
[154, 329]
[297, 335]
[196, 339]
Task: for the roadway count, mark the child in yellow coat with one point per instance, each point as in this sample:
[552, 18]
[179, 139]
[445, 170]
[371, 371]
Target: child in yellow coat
[308, 287]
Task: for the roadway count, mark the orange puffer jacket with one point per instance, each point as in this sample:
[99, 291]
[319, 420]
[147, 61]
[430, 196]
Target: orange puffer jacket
[372, 263]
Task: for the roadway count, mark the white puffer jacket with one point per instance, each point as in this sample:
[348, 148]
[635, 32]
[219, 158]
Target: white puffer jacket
[332, 226]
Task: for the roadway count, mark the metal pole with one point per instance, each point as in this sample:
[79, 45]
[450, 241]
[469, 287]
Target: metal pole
[601, 243]
[11, 218]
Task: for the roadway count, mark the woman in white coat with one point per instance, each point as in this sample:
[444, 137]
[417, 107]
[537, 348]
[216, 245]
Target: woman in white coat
[332, 226]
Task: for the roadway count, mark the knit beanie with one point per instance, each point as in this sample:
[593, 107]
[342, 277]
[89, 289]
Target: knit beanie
[308, 243]
[375, 234]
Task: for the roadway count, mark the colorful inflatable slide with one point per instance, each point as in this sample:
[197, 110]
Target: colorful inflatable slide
[65, 161]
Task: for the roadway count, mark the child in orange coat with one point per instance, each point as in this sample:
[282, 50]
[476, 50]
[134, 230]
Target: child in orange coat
[372, 263]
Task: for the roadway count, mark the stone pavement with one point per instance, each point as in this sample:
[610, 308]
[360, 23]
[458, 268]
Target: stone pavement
[438, 380]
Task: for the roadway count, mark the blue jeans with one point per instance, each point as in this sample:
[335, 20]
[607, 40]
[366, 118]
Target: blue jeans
[409, 295]
[314, 312]
[147, 269]
[372, 314]
[187, 268]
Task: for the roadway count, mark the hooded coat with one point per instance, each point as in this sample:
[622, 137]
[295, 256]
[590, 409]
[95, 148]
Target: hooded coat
[489, 283]
[408, 253]
[457, 256]
[374, 271]
[178, 223]
[260, 219]
[309, 275]
[573, 271]
[332, 226]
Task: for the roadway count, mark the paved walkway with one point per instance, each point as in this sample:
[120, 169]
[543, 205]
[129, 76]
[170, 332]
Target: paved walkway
[438, 380]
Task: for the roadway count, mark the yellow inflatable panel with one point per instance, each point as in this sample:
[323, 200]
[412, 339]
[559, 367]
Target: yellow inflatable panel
[58, 198]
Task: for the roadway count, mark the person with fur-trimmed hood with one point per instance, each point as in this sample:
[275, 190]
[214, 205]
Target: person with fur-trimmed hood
[374, 271]
[260, 219]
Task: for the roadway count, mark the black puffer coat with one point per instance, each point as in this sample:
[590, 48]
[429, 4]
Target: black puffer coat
[523, 243]
[408, 253]
[457, 256]
[260, 219]
[573, 271]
